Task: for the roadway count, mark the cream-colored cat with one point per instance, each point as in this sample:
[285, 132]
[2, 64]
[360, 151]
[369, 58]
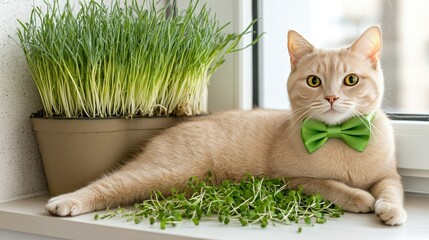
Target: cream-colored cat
[331, 86]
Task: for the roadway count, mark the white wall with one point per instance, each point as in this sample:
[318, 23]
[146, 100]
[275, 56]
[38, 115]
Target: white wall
[278, 17]
[21, 171]
[231, 85]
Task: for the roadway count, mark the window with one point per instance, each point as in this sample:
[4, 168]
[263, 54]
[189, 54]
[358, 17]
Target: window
[333, 23]
[405, 61]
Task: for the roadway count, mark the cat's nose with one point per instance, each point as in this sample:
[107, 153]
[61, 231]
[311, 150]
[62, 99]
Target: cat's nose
[331, 99]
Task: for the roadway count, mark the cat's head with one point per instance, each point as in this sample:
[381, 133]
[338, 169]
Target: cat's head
[335, 85]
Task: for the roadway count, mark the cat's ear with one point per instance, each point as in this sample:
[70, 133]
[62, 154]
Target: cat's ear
[298, 47]
[369, 44]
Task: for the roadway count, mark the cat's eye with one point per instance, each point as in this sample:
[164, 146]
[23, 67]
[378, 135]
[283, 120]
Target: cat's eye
[313, 81]
[351, 80]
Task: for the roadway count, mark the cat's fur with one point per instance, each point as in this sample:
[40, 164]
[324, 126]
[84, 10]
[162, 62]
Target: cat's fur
[268, 143]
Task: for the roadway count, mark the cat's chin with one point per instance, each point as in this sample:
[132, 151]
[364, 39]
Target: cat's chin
[333, 117]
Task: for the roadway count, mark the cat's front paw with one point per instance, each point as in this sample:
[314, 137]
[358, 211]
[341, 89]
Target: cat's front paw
[66, 205]
[389, 213]
[360, 202]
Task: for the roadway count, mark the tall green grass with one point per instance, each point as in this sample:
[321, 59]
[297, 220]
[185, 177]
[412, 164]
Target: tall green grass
[125, 59]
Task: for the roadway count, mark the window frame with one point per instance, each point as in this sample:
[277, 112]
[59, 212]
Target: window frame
[412, 138]
[234, 87]
[411, 130]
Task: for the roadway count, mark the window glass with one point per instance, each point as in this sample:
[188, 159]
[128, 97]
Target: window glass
[333, 23]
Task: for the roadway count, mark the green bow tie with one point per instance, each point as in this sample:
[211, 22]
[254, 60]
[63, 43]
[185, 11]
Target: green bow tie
[354, 132]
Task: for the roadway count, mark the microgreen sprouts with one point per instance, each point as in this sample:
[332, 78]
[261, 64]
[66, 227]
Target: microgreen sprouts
[125, 59]
[253, 200]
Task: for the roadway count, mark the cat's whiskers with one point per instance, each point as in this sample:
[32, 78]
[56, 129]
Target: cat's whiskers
[296, 120]
[356, 113]
[317, 110]
[361, 111]
[371, 126]
[296, 111]
[299, 114]
[389, 102]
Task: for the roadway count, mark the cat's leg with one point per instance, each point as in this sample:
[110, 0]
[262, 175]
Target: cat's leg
[133, 182]
[350, 199]
[389, 201]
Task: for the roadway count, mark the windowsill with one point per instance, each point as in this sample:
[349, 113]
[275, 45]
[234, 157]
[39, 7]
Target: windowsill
[28, 216]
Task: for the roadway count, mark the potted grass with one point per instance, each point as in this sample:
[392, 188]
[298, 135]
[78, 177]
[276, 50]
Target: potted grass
[110, 77]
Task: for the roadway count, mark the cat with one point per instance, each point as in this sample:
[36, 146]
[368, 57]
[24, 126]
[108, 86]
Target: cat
[327, 86]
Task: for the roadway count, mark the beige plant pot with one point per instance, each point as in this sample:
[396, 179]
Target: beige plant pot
[77, 151]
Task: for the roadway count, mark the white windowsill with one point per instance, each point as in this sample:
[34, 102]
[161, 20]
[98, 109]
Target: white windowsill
[27, 218]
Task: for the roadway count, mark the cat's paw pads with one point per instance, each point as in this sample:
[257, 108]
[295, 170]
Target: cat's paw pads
[65, 205]
[390, 214]
[361, 201]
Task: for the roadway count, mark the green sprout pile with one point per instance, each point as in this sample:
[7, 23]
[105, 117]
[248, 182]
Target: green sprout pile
[253, 200]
